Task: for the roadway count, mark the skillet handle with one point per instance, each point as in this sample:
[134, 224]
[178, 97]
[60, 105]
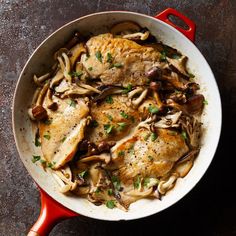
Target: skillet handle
[51, 213]
[189, 33]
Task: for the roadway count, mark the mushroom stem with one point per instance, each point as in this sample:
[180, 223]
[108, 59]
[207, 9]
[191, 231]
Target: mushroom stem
[39, 80]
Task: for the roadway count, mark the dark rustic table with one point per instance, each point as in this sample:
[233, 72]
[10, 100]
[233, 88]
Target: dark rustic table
[209, 209]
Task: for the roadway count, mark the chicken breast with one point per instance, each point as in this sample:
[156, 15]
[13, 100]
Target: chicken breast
[148, 154]
[63, 130]
[112, 121]
[119, 61]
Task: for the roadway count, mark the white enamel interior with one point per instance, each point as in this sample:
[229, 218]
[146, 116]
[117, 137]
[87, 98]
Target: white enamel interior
[98, 23]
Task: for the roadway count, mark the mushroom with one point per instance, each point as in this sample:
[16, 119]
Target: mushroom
[56, 79]
[74, 40]
[158, 100]
[179, 64]
[194, 104]
[40, 80]
[75, 52]
[166, 185]
[108, 90]
[136, 102]
[60, 52]
[137, 36]
[139, 194]
[126, 27]
[154, 73]
[106, 157]
[89, 87]
[168, 121]
[178, 82]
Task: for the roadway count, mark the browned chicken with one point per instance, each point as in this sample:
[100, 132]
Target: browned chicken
[119, 60]
[148, 154]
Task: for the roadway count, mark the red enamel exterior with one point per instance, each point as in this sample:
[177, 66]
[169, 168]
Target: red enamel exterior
[51, 211]
[189, 33]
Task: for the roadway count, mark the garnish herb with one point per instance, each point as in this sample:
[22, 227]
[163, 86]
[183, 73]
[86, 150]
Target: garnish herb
[72, 103]
[94, 123]
[137, 183]
[108, 128]
[83, 174]
[121, 153]
[109, 99]
[150, 158]
[153, 109]
[153, 136]
[176, 56]
[98, 190]
[122, 125]
[117, 65]
[127, 89]
[47, 136]
[110, 191]
[36, 158]
[110, 117]
[131, 149]
[110, 204]
[191, 75]
[116, 182]
[37, 142]
[98, 56]
[109, 57]
[63, 140]
[146, 182]
[163, 56]
[50, 165]
[48, 122]
[90, 68]
[75, 73]
[124, 115]
[205, 102]
[184, 135]
[43, 162]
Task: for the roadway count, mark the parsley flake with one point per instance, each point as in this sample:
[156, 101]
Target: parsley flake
[205, 102]
[47, 136]
[184, 135]
[137, 182]
[36, 158]
[121, 153]
[110, 204]
[116, 182]
[109, 99]
[153, 109]
[124, 115]
[98, 55]
[122, 126]
[127, 89]
[108, 128]
[109, 57]
[153, 136]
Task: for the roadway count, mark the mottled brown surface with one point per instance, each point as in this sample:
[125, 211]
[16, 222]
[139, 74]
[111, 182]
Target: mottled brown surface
[207, 210]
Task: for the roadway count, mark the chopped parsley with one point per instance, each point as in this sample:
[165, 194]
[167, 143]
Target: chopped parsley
[147, 136]
[150, 182]
[90, 68]
[121, 153]
[110, 191]
[109, 99]
[137, 182]
[37, 142]
[153, 136]
[98, 55]
[51, 164]
[176, 56]
[184, 135]
[127, 89]
[75, 73]
[47, 136]
[48, 122]
[109, 57]
[117, 65]
[83, 174]
[110, 117]
[163, 56]
[98, 190]
[108, 128]
[36, 158]
[205, 102]
[63, 140]
[122, 126]
[146, 182]
[110, 204]
[72, 103]
[94, 123]
[150, 158]
[191, 75]
[153, 109]
[116, 182]
[124, 115]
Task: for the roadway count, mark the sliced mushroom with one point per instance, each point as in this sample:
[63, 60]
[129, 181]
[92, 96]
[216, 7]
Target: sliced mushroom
[179, 64]
[106, 157]
[140, 194]
[76, 51]
[166, 185]
[108, 90]
[169, 121]
[74, 40]
[42, 94]
[60, 52]
[40, 80]
[137, 36]
[126, 27]
[39, 113]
